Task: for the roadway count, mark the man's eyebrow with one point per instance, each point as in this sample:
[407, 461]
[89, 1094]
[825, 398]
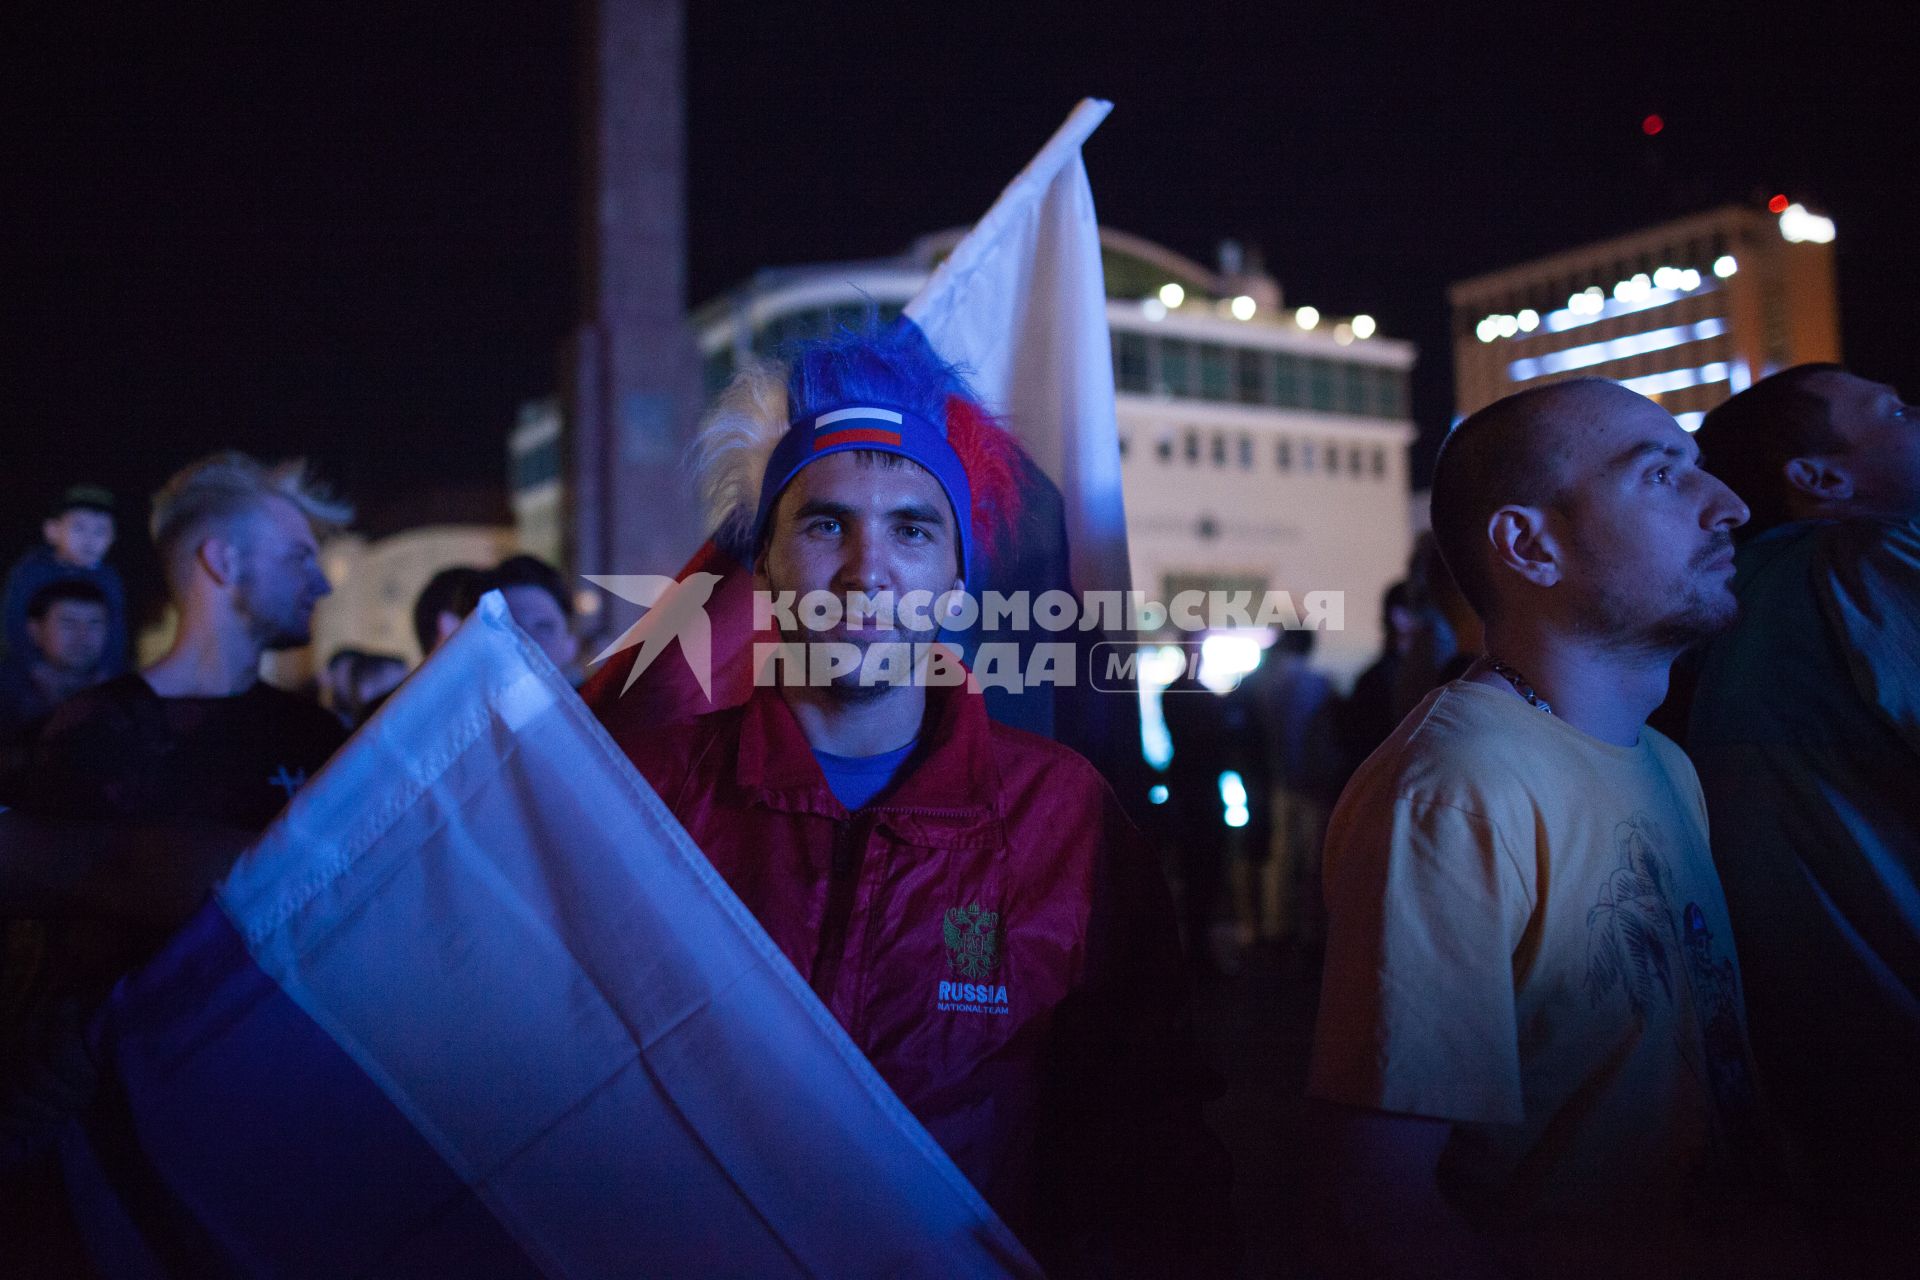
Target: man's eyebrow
[822, 507]
[1652, 448]
[919, 513]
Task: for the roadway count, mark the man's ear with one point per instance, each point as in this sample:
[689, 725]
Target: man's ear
[1818, 479]
[220, 558]
[1522, 543]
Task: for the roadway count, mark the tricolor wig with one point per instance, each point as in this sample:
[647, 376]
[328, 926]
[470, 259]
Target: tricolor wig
[891, 365]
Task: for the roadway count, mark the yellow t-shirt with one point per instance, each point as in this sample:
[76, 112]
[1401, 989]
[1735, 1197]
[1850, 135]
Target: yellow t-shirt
[1526, 937]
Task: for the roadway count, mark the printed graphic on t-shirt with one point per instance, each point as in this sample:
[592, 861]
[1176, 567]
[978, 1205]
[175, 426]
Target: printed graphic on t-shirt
[1716, 989]
[1637, 942]
[1631, 938]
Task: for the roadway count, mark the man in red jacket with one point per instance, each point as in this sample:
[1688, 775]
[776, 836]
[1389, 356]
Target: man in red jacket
[966, 898]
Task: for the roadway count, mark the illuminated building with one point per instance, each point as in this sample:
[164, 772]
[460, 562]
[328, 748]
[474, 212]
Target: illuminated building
[1688, 312]
[1262, 448]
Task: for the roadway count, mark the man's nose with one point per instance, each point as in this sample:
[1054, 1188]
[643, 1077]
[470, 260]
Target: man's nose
[865, 565]
[1723, 509]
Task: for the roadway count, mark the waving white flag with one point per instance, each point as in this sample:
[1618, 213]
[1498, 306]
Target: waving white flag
[475, 1005]
[1021, 304]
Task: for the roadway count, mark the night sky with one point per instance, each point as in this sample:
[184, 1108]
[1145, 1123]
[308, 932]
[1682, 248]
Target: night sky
[346, 229]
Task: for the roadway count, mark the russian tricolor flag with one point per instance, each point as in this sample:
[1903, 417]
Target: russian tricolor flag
[476, 1006]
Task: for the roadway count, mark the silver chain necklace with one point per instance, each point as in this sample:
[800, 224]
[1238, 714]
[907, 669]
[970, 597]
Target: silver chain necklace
[1519, 683]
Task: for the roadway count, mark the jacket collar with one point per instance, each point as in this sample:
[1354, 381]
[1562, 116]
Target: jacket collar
[952, 791]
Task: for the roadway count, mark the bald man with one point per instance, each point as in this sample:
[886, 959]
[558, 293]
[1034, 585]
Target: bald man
[1531, 1042]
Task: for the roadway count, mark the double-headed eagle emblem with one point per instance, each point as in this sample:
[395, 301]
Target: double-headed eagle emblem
[973, 941]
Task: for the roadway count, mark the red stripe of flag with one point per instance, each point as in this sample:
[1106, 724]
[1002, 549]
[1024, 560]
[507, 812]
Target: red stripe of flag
[856, 435]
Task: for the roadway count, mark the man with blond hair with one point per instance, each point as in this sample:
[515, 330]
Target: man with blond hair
[140, 791]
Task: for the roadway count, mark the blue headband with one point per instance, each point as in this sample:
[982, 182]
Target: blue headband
[882, 430]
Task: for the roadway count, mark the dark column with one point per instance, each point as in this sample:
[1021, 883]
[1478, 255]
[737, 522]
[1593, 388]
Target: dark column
[632, 393]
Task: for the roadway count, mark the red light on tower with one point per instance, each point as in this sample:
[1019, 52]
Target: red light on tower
[1652, 125]
[1777, 205]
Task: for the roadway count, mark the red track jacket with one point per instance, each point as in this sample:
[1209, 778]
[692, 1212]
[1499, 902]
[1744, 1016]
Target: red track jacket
[998, 940]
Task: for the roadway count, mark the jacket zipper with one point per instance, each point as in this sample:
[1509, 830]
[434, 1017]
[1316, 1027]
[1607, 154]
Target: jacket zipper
[842, 882]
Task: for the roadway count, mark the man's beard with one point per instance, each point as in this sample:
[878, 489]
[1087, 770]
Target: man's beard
[900, 649]
[271, 633]
[1707, 609]
[900, 646]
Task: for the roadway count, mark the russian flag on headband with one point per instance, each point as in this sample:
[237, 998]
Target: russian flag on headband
[476, 1006]
[841, 436]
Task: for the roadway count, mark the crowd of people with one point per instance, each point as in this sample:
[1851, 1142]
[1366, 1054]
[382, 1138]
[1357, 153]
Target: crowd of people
[1592, 1003]
[125, 795]
[1289, 739]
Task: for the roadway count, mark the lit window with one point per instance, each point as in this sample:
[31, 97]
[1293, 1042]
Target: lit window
[1286, 379]
[1320, 384]
[1251, 368]
[1387, 401]
[1130, 362]
[1176, 366]
[1215, 372]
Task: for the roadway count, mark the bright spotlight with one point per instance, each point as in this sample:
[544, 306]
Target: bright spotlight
[1363, 327]
[1724, 266]
[1233, 798]
[1798, 226]
[1172, 295]
[1244, 307]
[1307, 317]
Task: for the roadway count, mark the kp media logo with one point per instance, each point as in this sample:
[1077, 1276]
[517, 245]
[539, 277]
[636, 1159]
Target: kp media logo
[1053, 639]
[674, 608]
